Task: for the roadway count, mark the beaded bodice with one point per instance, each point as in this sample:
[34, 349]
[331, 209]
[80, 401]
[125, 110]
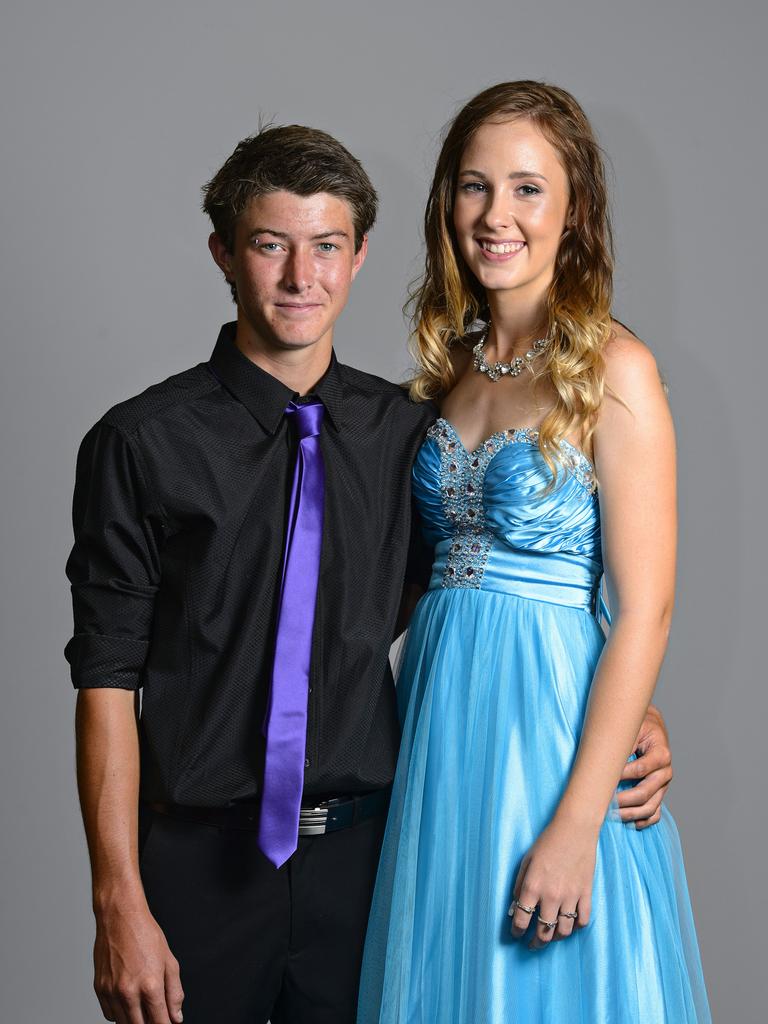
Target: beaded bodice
[492, 516]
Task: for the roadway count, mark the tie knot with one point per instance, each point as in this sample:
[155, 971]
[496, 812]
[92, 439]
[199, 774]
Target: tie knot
[306, 417]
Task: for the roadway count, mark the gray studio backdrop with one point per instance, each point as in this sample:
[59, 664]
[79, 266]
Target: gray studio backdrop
[114, 114]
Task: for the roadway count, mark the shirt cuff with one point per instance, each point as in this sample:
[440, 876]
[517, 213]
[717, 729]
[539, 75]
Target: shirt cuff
[106, 661]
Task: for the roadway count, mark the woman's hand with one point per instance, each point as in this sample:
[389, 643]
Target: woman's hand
[556, 876]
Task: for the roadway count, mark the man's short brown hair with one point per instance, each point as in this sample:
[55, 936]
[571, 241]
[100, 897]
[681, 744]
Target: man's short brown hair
[295, 159]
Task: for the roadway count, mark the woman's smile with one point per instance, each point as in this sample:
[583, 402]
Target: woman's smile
[498, 251]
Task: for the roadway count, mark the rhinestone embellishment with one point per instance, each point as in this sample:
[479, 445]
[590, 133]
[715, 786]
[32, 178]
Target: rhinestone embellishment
[495, 371]
[461, 484]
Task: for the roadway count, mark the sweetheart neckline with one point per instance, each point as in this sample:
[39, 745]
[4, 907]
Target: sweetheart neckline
[531, 433]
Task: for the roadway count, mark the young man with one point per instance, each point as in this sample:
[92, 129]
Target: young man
[241, 541]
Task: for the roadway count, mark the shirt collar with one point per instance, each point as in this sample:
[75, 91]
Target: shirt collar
[263, 395]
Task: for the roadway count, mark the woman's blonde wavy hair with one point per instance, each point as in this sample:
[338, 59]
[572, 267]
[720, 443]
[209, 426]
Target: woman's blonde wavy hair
[448, 299]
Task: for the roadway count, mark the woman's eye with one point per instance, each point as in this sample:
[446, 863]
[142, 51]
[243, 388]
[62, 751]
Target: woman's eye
[473, 186]
[529, 190]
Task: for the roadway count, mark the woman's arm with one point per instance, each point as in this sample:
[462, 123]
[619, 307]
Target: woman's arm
[635, 462]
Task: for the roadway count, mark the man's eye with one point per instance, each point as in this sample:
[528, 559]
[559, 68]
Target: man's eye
[270, 246]
[328, 247]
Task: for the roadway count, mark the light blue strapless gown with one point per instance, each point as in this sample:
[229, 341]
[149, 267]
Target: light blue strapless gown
[492, 692]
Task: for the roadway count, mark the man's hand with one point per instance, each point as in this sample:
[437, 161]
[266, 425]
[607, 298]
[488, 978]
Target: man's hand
[136, 976]
[653, 765]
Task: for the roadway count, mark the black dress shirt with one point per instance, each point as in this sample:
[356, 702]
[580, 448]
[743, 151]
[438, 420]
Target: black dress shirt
[180, 503]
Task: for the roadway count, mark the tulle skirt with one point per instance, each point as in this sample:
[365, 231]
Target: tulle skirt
[492, 691]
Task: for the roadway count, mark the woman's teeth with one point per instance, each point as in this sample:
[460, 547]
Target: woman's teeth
[502, 247]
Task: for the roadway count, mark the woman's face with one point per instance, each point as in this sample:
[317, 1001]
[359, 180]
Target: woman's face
[511, 208]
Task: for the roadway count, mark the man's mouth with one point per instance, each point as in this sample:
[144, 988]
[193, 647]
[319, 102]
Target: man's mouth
[297, 307]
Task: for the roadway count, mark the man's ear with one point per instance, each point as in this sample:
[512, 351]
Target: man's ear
[360, 255]
[221, 254]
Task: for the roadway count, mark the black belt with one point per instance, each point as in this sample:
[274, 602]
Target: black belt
[314, 819]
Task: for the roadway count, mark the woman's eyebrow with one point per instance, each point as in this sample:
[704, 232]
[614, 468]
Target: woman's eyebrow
[512, 174]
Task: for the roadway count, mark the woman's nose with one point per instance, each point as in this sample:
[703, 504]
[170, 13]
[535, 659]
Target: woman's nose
[498, 211]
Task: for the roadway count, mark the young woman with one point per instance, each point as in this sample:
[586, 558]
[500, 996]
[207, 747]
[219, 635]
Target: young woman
[509, 889]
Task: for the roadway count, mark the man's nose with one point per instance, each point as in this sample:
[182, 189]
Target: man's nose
[298, 271]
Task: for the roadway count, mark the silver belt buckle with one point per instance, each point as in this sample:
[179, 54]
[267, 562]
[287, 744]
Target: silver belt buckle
[313, 821]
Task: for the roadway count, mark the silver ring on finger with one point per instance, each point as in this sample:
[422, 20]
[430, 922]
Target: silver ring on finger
[519, 906]
[572, 914]
[548, 925]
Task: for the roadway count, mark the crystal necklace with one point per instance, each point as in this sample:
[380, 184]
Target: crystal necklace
[497, 370]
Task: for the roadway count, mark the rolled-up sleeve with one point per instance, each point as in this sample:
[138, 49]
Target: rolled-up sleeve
[114, 566]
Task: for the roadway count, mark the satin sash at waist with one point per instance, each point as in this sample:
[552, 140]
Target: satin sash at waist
[557, 577]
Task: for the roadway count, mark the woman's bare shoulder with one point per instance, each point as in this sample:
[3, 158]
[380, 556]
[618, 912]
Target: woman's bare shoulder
[629, 362]
[635, 394]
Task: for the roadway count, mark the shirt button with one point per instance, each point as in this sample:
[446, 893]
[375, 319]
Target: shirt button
[306, 763]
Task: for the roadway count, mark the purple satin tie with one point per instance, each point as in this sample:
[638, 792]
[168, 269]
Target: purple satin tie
[285, 725]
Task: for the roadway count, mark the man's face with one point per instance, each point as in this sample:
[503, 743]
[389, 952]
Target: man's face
[293, 262]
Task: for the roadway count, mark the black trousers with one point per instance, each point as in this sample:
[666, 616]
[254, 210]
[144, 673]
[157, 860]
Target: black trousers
[255, 943]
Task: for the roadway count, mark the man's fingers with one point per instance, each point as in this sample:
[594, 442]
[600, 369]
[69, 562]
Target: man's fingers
[653, 820]
[653, 731]
[635, 796]
[127, 1011]
[106, 1007]
[635, 814]
[649, 809]
[155, 1008]
[174, 994]
[135, 1014]
[129, 1007]
[651, 760]
[643, 791]
[121, 1012]
[634, 770]
[133, 1006]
